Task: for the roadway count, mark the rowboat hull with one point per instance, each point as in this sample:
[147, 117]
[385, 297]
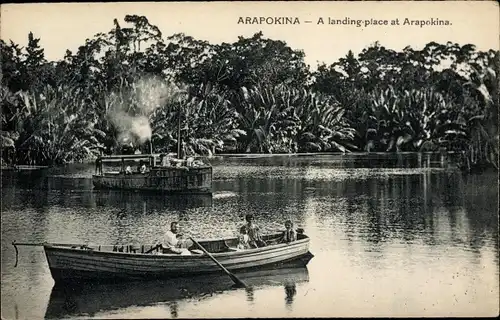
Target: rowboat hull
[69, 264]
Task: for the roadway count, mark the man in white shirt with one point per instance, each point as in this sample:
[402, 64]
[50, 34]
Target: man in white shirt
[174, 241]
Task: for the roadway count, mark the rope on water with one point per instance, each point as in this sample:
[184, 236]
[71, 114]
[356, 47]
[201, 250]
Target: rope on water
[17, 253]
[15, 244]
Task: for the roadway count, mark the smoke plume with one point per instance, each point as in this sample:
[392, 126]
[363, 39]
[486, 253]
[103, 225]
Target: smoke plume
[129, 109]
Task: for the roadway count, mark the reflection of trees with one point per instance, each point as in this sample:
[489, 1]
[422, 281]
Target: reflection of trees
[405, 207]
[25, 219]
[27, 179]
[13, 197]
[273, 198]
[481, 208]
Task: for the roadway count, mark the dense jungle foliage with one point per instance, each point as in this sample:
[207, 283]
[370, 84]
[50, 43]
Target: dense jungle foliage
[129, 86]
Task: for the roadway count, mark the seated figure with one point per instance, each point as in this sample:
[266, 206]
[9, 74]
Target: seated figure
[174, 241]
[289, 234]
[243, 239]
[253, 232]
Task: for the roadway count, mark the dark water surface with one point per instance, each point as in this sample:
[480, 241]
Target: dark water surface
[392, 235]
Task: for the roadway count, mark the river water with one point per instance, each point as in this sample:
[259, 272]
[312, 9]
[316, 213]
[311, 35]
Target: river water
[392, 235]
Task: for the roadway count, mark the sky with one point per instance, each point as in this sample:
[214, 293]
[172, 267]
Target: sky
[64, 26]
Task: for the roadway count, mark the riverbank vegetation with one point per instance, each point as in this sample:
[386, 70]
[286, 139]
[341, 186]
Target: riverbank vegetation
[129, 86]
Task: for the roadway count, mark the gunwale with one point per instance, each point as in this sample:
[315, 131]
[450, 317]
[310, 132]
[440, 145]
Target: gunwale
[248, 252]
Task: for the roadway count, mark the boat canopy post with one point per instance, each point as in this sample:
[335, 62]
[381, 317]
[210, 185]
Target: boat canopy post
[98, 165]
[123, 165]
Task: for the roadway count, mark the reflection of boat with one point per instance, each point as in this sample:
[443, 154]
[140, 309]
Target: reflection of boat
[90, 298]
[76, 263]
[151, 201]
[159, 174]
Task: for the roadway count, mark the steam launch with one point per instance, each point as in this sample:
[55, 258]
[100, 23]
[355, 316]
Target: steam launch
[131, 169]
[153, 172]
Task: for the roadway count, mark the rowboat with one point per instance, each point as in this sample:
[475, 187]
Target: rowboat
[92, 298]
[160, 174]
[76, 263]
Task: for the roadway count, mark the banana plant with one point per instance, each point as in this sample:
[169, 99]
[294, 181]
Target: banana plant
[256, 109]
[54, 128]
[286, 119]
[207, 119]
[483, 148]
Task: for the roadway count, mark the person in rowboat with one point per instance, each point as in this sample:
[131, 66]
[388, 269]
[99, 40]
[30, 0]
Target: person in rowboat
[253, 232]
[174, 241]
[289, 234]
[243, 239]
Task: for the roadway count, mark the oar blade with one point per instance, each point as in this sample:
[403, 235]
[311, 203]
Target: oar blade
[235, 279]
[238, 283]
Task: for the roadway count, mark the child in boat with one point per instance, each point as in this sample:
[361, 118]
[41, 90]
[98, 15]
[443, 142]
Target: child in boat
[253, 232]
[289, 234]
[243, 239]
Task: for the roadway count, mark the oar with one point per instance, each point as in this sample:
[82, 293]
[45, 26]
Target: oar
[235, 279]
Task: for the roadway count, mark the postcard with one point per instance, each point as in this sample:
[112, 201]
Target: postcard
[250, 159]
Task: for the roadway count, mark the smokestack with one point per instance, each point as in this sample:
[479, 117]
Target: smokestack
[179, 135]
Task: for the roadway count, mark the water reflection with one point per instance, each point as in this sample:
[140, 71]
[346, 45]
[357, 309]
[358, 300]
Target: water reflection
[250, 294]
[125, 201]
[290, 291]
[91, 299]
[350, 160]
[407, 224]
[139, 202]
[174, 309]
[24, 178]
